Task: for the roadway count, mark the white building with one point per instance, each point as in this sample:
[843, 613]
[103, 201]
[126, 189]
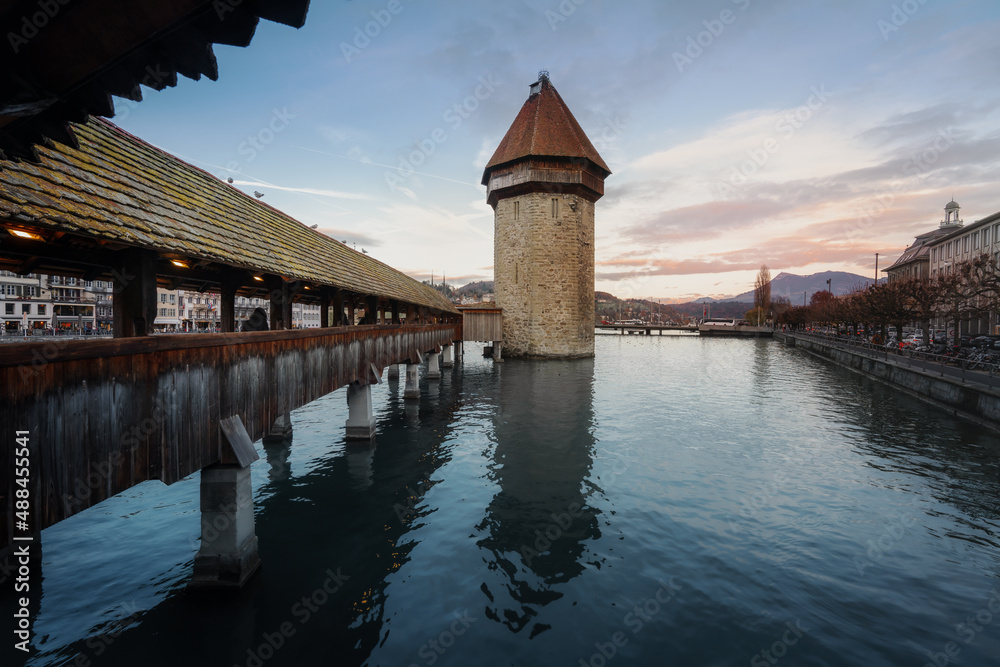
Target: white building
[963, 243]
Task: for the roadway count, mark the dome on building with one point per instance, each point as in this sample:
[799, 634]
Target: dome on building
[952, 205]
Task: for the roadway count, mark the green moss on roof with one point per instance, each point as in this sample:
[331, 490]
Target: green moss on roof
[118, 188]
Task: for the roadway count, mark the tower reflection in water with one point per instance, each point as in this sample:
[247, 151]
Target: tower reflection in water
[536, 527]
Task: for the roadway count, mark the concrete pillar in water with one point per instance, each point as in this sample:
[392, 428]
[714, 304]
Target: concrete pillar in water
[433, 366]
[360, 418]
[393, 372]
[497, 357]
[228, 555]
[459, 350]
[280, 431]
[412, 389]
[446, 357]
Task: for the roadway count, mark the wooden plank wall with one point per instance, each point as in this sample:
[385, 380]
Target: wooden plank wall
[106, 415]
[482, 325]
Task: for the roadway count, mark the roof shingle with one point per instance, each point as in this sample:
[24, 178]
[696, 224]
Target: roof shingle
[117, 188]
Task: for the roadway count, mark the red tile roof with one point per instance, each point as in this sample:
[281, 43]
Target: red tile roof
[545, 127]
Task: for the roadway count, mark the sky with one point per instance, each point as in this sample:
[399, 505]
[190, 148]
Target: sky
[805, 135]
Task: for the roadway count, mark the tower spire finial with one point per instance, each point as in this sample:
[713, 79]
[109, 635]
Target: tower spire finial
[543, 75]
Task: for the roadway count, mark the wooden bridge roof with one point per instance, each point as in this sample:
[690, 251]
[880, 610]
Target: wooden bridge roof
[117, 191]
[64, 60]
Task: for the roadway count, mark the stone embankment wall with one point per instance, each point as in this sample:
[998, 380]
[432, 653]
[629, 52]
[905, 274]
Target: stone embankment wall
[977, 403]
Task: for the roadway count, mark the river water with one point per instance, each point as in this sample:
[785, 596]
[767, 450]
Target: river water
[674, 501]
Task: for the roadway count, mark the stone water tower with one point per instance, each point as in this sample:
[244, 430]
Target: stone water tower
[542, 183]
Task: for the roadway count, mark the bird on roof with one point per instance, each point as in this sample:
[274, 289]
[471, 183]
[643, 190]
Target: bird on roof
[314, 226]
[364, 251]
[230, 179]
[258, 195]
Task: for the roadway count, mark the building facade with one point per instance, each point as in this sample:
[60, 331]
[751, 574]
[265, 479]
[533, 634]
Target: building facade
[915, 262]
[543, 182]
[38, 302]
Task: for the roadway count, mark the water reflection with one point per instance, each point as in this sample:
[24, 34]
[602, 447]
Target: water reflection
[277, 458]
[537, 526]
[962, 469]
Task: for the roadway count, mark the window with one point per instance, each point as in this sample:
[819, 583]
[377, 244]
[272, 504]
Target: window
[29, 290]
[949, 250]
[25, 308]
[517, 209]
[9, 308]
[11, 290]
[163, 298]
[555, 208]
[173, 298]
[965, 244]
[975, 240]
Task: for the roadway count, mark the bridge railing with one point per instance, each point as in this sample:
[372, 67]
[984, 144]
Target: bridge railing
[105, 415]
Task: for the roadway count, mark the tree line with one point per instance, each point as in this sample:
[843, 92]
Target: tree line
[969, 291]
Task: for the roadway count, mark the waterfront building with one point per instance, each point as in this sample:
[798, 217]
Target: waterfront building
[964, 243]
[543, 182]
[25, 300]
[938, 251]
[72, 303]
[38, 302]
[915, 261]
[167, 311]
[103, 292]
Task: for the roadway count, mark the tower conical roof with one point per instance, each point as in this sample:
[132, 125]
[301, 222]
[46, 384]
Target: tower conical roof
[544, 127]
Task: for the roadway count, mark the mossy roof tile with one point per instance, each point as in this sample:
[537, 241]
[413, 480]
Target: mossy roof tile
[116, 187]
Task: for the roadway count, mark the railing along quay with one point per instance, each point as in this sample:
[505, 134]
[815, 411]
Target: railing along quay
[937, 364]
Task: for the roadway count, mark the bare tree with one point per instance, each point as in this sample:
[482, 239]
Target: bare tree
[762, 293]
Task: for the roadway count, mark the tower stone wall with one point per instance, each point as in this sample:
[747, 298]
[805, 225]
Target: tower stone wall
[544, 274]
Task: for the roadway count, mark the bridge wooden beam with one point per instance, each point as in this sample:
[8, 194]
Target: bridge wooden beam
[135, 293]
[281, 302]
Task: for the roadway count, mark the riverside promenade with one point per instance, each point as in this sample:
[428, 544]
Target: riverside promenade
[970, 393]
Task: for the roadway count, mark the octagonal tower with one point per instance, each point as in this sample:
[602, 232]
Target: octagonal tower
[542, 182]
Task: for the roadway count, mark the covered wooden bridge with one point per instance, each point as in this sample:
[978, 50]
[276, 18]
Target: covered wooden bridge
[101, 416]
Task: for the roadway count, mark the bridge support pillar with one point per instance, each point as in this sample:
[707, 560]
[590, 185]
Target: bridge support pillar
[228, 555]
[497, 356]
[434, 366]
[360, 418]
[280, 431]
[412, 389]
[393, 373]
[459, 350]
[446, 356]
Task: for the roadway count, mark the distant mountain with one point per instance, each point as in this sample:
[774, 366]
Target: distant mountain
[793, 286]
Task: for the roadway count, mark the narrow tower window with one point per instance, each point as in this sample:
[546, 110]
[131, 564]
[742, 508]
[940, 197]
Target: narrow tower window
[555, 208]
[517, 210]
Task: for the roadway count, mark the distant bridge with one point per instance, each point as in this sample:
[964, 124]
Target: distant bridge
[647, 329]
